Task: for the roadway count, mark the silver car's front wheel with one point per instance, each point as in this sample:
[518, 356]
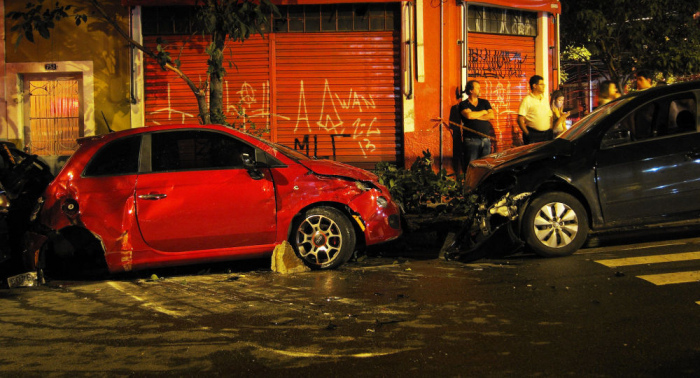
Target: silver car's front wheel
[555, 224]
[324, 238]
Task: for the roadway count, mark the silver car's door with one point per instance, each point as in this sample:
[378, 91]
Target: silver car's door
[655, 173]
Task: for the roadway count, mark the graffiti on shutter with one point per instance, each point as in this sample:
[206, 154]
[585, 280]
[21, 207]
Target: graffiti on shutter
[331, 95]
[503, 65]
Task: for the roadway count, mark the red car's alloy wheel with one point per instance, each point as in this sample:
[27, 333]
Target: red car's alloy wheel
[325, 238]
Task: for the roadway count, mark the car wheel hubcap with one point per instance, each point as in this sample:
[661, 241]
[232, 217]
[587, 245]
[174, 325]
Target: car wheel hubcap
[556, 225]
[319, 239]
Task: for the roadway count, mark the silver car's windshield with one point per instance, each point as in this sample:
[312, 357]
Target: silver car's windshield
[584, 124]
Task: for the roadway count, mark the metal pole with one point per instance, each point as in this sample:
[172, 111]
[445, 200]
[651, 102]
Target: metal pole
[441, 75]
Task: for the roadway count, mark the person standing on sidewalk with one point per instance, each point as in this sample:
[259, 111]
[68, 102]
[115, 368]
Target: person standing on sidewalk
[608, 92]
[558, 113]
[535, 114]
[476, 113]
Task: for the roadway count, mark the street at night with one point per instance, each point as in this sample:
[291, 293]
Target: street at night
[609, 311]
[350, 188]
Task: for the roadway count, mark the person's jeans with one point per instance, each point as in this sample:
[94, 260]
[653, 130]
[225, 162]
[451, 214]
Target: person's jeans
[475, 148]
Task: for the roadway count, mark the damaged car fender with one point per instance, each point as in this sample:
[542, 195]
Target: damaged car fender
[366, 204]
[630, 165]
[490, 230]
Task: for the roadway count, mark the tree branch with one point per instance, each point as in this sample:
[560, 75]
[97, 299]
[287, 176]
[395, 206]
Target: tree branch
[198, 92]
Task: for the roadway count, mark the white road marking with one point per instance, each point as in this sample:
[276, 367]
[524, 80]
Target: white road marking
[145, 302]
[672, 278]
[655, 259]
[635, 247]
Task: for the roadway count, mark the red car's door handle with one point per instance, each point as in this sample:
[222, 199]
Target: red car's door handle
[152, 196]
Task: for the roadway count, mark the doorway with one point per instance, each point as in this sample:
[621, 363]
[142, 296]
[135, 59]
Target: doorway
[53, 113]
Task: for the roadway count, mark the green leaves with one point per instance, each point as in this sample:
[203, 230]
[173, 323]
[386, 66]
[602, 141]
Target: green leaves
[162, 56]
[579, 54]
[242, 122]
[79, 18]
[233, 19]
[629, 35]
[35, 18]
[420, 186]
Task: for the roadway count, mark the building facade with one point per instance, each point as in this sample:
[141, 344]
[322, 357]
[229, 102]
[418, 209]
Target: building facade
[357, 82]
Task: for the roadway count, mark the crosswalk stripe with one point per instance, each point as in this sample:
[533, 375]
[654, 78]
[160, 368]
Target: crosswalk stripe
[614, 263]
[672, 278]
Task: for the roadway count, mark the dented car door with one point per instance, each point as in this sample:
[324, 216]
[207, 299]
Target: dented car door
[197, 194]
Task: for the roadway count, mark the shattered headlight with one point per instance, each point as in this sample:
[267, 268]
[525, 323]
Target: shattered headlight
[365, 185]
[382, 202]
[507, 206]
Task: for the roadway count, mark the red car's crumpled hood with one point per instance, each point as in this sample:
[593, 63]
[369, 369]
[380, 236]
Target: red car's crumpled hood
[334, 168]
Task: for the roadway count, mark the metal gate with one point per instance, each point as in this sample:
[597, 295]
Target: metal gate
[54, 113]
[332, 95]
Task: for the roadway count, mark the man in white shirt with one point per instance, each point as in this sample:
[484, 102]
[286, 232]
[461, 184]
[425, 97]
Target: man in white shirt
[535, 114]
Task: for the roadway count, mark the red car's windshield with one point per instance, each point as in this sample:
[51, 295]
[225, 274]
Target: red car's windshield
[284, 150]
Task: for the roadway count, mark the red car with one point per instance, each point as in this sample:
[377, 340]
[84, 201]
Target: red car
[175, 195]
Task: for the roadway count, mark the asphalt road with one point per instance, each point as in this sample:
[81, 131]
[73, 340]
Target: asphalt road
[587, 315]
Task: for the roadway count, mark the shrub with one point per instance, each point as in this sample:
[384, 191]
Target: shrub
[419, 187]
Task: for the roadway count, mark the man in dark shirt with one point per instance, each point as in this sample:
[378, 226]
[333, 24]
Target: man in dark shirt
[476, 113]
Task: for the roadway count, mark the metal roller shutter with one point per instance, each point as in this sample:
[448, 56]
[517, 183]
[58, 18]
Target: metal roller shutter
[334, 95]
[170, 101]
[338, 95]
[503, 64]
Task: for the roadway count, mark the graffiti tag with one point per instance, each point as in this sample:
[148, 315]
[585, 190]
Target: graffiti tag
[326, 120]
[498, 64]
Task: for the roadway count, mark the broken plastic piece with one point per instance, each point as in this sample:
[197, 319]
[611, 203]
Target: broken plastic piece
[22, 280]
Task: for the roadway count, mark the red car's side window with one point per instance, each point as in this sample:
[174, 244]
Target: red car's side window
[193, 149]
[119, 157]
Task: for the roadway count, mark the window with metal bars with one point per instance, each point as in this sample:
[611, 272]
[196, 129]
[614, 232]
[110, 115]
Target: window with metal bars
[481, 19]
[54, 116]
[337, 17]
[181, 20]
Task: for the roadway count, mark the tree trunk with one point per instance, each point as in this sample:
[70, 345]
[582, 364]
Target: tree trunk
[216, 99]
[204, 118]
[216, 73]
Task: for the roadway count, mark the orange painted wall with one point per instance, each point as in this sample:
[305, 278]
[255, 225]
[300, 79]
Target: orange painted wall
[427, 94]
